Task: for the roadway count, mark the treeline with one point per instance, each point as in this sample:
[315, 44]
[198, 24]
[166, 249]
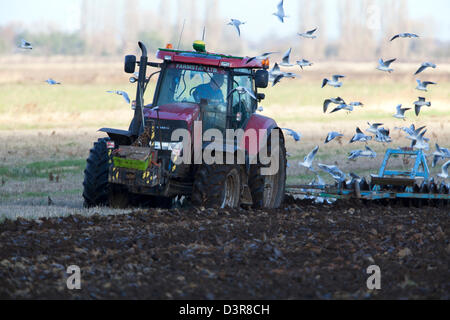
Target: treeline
[362, 30]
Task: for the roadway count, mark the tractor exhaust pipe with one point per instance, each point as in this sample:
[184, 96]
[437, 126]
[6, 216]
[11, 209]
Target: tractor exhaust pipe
[139, 122]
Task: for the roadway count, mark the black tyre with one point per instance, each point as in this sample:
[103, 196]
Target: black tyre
[217, 186]
[96, 186]
[269, 191]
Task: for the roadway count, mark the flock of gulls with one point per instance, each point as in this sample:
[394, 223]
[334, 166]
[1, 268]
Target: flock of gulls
[375, 132]
[379, 133]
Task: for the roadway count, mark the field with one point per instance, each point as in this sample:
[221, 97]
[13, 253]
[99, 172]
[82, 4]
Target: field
[46, 133]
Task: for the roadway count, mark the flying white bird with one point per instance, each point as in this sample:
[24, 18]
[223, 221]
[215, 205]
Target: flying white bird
[423, 85]
[440, 153]
[296, 135]
[308, 34]
[444, 172]
[280, 12]
[333, 135]
[285, 61]
[334, 171]
[327, 102]
[360, 136]
[121, 93]
[236, 23]
[424, 66]
[242, 90]
[343, 106]
[25, 45]
[405, 35]
[308, 160]
[382, 136]
[384, 65]
[421, 142]
[304, 63]
[263, 56]
[334, 82]
[354, 154]
[401, 112]
[419, 104]
[373, 128]
[52, 82]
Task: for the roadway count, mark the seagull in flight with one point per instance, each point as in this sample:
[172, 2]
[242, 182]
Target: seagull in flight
[440, 153]
[423, 85]
[121, 93]
[343, 106]
[333, 135]
[334, 82]
[334, 171]
[304, 63]
[401, 112]
[421, 142]
[360, 136]
[384, 65]
[236, 23]
[52, 82]
[280, 12]
[285, 61]
[242, 90]
[25, 45]
[362, 153]
[420, 103]
[296, 135]
[337, 100]
[308, 34]
[405, 35]
[263, 56]
[373, 128]
[382, 136]
[444, 172]
[308, 160]
[424, 66]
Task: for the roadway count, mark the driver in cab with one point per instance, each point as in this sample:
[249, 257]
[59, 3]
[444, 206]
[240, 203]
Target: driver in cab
[211, 91]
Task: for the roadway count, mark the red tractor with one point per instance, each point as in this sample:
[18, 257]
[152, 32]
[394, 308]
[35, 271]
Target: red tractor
[194, 87]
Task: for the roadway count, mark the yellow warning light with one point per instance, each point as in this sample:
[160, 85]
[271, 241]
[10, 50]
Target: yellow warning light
[169, 46]
[265, 62]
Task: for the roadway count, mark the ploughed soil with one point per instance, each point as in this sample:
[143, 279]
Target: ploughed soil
[301, 251]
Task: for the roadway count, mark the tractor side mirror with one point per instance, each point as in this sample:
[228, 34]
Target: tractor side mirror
[130, 64]
[261, 78]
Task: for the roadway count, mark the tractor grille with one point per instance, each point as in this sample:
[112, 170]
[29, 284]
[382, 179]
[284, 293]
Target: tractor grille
[167, 127]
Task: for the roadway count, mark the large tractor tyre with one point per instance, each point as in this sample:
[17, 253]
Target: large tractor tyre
[269, 191]
[217, 186]
[96, 187]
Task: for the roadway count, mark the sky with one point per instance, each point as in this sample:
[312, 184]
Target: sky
[65, 14]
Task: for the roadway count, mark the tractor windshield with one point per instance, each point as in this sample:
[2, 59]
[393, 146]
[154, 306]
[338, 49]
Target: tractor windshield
[186, 83]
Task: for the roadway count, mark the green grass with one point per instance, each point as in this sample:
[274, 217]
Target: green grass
[42, 169]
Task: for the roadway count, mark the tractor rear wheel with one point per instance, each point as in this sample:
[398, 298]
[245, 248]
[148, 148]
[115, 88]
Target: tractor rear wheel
[96, 186]
[217, 186]
[268, 191]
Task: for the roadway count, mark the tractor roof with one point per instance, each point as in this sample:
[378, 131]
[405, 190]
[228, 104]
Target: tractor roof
[207, 58]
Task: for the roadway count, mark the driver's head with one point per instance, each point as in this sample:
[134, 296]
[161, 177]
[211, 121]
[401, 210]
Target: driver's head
[217, 80]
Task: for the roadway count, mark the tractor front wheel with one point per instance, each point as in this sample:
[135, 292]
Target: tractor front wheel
[96, 186]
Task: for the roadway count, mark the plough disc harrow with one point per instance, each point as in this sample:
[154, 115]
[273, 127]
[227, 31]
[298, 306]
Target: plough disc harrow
[401, 187]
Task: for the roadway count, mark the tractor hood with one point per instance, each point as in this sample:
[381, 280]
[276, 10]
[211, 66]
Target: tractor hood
[175, 111]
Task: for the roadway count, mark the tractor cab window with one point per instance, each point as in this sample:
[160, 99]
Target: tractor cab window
[188, 83]
[243, 104]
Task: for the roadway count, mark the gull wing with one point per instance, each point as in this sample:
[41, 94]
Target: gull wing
[395, 37]
[388, 62]
[286, 56]
[422, 67]
[310, 32]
